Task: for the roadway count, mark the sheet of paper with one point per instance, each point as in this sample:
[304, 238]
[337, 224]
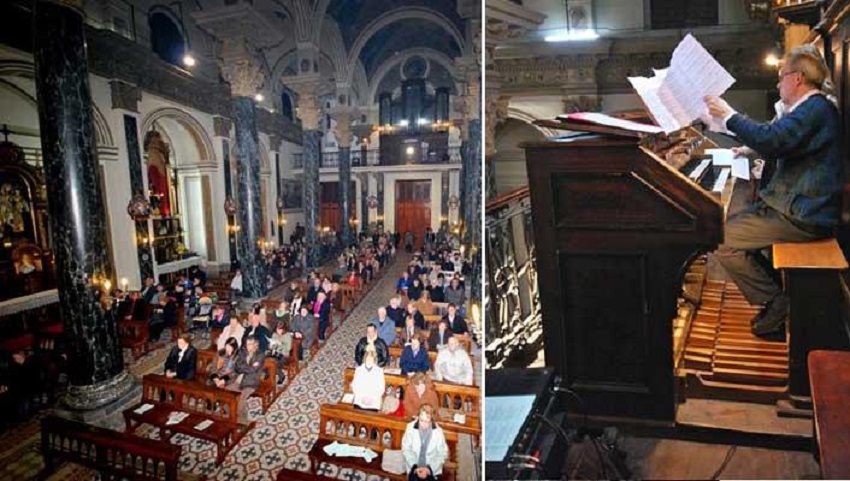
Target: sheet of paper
[143, 408]
[203, 425]
[741, 168]
[348, 398]
[602, 119]
[721, 157]
[674, 96]
[504, 418]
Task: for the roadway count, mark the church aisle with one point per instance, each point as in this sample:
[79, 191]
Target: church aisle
[284, 436]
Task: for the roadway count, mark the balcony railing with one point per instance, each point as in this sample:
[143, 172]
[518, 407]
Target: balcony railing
[511, 300]
[373, 158]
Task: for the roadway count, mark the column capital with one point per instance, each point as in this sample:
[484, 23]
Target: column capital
[245, 76]
[343, 116]
[307, 87]
[496, 111]
[274, 142]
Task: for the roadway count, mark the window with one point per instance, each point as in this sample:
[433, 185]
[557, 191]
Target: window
[166, 38]
[286, 106]
[666, 14]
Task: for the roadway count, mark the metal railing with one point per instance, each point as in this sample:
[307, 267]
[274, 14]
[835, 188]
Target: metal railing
[360, 158]
[511, 297]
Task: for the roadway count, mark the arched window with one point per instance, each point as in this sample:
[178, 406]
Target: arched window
[286, 106]
[166, 38]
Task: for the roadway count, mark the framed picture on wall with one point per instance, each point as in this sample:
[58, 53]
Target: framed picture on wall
[579, 15]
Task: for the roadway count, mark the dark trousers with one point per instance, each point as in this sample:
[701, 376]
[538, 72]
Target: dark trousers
[747, 232]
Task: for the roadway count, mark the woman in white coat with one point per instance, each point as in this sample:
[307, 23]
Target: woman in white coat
[424, 444]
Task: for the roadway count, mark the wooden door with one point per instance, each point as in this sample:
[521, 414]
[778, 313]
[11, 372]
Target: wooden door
[413, 209]
[330, 205]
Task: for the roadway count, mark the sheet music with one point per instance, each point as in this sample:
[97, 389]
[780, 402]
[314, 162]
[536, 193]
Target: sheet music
[504, 418]
[602, 119]
[726, 158]
[674, 96]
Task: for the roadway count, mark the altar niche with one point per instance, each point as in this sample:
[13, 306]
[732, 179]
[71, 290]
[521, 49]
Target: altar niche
[26, 263]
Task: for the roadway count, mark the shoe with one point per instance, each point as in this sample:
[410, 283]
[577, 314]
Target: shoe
[755, 320]
[772, 323]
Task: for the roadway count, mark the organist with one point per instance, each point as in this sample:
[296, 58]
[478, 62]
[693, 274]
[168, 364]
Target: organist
[801, 200]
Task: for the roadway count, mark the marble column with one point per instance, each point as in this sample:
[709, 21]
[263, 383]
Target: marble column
[312, 155]
[96, 374]
[144, 252]
[344, 136]
[306, 87]
[472, 203]
[345, 194]
[250, 208]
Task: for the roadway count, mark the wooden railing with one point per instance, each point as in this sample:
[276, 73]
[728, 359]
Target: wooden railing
[511, 300]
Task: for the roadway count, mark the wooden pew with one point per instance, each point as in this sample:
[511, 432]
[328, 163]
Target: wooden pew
[200, 401]
[372, 430]
[267, 391]
[134, 335]
[829, 374]
[108, 452]
[454, 399]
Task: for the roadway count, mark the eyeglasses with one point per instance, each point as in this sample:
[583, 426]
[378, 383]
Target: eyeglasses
[785, 74]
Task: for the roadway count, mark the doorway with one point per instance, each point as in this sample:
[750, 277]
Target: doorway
[413, 209]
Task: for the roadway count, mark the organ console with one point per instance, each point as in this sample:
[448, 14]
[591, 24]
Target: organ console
[623, 221]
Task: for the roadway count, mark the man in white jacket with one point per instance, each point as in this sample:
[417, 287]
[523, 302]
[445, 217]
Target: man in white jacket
[424, 444]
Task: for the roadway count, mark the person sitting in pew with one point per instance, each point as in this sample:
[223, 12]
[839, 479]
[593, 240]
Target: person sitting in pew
[280, 316]
[220, 317]
[414, 358]
[396, 312]
[418, 318]
[418, 392]
[439, 337]
[409, 332]
[280, 345]
[424, 444]
[415, 290]
[371, 340]
[249, 370]
[224, 368]
[453, 364]
[456, 322]
[303, 327]
[234, 329]
[257, 331]
[182, 359]
[424, 305]
[385, 326]
[368, 384]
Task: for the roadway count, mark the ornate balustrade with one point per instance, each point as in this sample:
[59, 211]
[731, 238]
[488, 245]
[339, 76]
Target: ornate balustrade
[511, 301]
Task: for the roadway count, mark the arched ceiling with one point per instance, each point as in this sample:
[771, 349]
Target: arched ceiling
[402, 35]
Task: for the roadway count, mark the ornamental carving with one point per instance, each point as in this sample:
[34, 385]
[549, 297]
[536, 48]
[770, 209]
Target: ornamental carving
[125, 96]
[245, 77]
[581, 103]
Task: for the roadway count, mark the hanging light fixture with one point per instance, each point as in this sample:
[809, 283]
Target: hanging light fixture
[139, 209]
[229, 206]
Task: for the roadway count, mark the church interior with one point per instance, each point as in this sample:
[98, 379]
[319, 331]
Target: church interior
[240, 237]
[603, 272]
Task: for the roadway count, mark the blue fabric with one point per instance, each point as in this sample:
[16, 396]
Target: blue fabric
[386, 331]
[806, 148]
[418, 363]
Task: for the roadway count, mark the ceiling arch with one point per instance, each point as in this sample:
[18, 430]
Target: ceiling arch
[393, 62]
[402, 13]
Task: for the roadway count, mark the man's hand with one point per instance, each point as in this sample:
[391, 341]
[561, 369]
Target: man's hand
[717, 107]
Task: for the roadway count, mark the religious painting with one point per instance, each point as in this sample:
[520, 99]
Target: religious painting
[16, 210]
[292, 193]
[27, 259]
[579, 15]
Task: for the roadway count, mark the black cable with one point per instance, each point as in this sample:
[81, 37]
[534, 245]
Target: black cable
[725, 462]
[558, 429]
[577, 398]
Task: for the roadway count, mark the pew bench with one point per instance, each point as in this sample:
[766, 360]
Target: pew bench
[811, 273]
[203, 403]
[829, 374]
[454, 399]
[109, 452]
[267, 390]
[134, 335]
[372, 430]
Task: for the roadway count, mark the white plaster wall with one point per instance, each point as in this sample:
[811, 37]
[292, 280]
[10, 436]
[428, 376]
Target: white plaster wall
[196, 239]
[117, 182]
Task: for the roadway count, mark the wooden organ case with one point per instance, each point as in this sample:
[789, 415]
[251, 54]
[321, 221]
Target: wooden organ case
[619, 220]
